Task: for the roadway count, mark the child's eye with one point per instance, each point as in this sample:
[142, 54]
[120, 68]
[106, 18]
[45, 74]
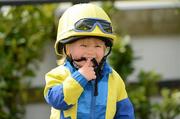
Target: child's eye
[97, 46]
[83, 45]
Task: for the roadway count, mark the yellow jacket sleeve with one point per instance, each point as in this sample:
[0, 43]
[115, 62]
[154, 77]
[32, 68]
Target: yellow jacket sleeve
[71, 85]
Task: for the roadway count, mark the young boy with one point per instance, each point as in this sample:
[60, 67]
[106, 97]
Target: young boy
[85, 86]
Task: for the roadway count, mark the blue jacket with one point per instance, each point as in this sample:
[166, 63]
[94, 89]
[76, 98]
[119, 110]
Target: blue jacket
[72, 96]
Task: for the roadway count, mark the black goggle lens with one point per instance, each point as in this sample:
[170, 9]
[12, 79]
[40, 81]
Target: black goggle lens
[89, 25]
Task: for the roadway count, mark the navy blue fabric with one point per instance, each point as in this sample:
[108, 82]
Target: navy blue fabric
[55, 98]
[124, 110]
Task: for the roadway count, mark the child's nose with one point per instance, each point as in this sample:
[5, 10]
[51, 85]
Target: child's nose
[91, 51]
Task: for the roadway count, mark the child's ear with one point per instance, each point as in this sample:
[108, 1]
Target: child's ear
[105, 47]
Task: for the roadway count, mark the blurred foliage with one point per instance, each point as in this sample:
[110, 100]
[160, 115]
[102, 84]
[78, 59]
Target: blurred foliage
[122, 57]
[109, 8]
[145, 91]
[141, 93]
[169, 107]
[24, 31]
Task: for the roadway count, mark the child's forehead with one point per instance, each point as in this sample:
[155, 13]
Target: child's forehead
[90, 40]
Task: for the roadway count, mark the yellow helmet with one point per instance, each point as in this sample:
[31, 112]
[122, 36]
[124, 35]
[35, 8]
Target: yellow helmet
[82, 20]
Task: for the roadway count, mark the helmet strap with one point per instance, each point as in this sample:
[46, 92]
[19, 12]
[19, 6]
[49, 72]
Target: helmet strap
[98, 71]
[69, 58]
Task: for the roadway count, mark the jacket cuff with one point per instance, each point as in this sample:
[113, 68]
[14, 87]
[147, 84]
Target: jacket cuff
[80, 78]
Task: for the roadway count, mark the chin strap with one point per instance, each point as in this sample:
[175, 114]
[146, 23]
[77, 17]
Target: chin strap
[97, 67]
[98, 70]
[70, 59]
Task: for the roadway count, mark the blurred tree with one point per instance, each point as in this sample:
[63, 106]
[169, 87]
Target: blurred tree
[146, 87]
[24, 31]
[141, 93]
[169, 107]
[122, 55]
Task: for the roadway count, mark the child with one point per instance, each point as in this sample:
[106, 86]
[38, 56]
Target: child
[85, 86]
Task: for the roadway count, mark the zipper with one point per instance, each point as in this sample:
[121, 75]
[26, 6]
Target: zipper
[93, 101]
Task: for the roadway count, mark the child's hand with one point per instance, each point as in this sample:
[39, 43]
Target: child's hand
[88, 71]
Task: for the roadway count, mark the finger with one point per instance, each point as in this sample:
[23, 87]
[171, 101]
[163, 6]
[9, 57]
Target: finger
[94, 77]
[88, 62]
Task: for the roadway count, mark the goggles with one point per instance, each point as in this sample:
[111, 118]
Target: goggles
[88, 25]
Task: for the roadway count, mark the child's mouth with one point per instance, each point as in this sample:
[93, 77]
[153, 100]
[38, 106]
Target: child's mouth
[80, 59]
[94, 61]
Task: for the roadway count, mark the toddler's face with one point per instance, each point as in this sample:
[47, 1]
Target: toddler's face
[88, 48]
